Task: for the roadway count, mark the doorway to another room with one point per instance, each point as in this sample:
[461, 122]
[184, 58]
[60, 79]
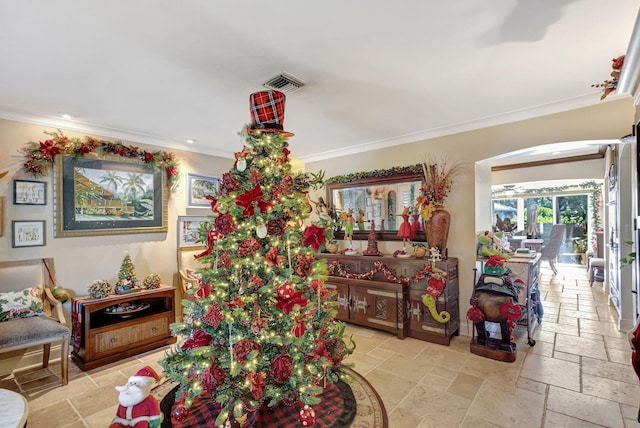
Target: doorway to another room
[526, 212]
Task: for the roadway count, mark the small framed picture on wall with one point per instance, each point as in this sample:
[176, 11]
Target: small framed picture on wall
[198, 188]
[29, 192]
[28, 233]
[189, 230]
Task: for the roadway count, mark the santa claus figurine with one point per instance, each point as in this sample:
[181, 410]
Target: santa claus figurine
[138, 408]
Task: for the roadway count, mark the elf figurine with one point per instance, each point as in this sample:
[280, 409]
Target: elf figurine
[138, 408]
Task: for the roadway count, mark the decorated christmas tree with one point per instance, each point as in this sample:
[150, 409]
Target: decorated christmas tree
[126, 276]
[259, 329]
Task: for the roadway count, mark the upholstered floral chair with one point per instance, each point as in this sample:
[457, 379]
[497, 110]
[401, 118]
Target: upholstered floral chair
[30, 315]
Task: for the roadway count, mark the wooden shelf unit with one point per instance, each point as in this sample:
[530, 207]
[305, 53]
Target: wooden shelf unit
[385, 305]
[106, 338]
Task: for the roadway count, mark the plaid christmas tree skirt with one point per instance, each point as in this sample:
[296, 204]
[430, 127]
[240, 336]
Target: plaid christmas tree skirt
[346, 404]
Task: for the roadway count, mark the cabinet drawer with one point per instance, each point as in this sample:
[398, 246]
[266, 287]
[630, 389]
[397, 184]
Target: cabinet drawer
[117, 338]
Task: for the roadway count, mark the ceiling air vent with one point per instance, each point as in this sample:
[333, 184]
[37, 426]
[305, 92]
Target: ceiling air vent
[284, 82]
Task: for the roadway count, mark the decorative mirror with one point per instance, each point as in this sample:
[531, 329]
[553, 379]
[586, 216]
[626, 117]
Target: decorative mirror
[377, 196]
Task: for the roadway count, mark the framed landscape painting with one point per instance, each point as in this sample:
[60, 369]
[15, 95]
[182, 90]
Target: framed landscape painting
[198, 188]
[189, 230]
[100, 196]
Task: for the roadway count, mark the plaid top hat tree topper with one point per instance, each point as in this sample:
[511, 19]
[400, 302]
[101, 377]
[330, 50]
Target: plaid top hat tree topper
[267, 112]
[260, 328]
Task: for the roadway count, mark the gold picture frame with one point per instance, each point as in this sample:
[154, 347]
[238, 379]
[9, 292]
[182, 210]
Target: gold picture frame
[105, 195]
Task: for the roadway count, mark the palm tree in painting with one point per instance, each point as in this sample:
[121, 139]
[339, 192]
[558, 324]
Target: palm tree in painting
[112, 180]
[134, 185]
[202, 188]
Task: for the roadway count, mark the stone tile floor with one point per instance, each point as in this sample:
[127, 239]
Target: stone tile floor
[577, 375]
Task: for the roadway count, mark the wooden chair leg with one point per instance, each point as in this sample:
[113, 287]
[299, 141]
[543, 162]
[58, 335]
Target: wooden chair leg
[64, 361]
[45, 355]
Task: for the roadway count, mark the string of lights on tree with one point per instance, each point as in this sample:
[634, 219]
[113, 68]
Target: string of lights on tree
[259, 328]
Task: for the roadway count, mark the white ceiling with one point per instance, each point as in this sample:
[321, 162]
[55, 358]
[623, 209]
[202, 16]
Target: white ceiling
[378, 73]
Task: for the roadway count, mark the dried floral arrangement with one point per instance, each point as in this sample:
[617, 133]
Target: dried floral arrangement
[610, 85]
[438, 180]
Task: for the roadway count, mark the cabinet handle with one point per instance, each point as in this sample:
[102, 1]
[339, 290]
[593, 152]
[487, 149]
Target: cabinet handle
[154, 328]
[113, 339]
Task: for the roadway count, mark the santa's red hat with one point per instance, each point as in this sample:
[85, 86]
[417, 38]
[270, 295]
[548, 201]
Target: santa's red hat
[145, 376]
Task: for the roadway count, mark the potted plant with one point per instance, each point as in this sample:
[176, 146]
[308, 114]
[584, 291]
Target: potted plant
[580, 246]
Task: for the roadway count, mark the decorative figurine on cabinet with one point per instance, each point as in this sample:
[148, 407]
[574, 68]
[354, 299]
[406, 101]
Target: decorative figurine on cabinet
[372, 242]
[406, 231]
[494, 300]
[360, 219]
[347, 220]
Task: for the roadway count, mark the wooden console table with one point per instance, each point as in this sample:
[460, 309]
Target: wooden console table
[101, 337]
[383, 304]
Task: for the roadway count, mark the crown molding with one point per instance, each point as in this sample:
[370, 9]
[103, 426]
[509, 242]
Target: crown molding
[485, 122]
[109, 132]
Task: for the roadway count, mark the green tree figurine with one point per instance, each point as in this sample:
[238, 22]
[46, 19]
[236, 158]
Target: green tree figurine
[126, 276]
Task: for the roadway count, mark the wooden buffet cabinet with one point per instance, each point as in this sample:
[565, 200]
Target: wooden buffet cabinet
[383, 304]
[100, 337]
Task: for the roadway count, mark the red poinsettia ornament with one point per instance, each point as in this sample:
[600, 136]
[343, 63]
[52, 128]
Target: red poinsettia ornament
[313, 236]
[249, 200]
[287, 305]
[48, 149]
[272, 258]
[200, 338]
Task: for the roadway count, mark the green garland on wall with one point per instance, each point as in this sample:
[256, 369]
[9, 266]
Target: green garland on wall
[377, 173]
